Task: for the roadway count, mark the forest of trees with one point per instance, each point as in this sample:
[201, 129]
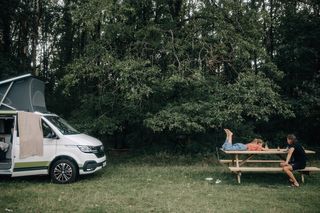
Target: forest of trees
[171, 73]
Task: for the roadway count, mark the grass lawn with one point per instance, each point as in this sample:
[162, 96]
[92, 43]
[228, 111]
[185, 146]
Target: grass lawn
[162, 183]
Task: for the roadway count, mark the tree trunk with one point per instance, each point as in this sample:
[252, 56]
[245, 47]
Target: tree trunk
[23, 44]
[271, 30]
[67, 38]
[37, 6]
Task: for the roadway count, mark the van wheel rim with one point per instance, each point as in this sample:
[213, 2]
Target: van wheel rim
[62, 172]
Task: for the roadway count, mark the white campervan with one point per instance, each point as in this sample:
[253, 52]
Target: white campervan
[41, 143]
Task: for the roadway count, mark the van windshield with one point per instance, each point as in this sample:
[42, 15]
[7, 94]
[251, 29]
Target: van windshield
[62, 125]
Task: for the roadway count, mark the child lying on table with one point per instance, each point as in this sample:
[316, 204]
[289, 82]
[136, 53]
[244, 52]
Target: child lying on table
[255, 145]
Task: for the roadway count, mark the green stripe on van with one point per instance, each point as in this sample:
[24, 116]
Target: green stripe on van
[8, 112]
[25, 169]
[32, 164]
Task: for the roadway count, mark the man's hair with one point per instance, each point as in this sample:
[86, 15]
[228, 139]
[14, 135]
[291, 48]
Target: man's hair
[292, 138]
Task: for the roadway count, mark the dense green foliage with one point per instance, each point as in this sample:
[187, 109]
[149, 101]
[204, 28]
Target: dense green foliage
[150, 71]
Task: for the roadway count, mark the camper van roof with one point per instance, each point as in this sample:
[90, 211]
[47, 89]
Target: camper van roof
[15, 78]
[13, 112]
[25, 93]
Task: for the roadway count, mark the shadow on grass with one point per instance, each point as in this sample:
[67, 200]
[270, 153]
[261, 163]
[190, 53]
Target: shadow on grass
[91, 177]
[45, 179]
[267, 180]
[30, 179]
[224, 177]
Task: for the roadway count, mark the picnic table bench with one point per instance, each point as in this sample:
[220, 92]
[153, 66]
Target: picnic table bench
[236, 164]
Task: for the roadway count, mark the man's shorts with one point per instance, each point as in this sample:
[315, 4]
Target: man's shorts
[297, 165]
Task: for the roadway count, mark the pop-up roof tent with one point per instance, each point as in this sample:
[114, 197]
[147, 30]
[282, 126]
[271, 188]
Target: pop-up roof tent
[24, 93]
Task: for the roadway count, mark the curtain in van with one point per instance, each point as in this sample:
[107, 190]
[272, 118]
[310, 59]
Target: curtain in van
[30, 134]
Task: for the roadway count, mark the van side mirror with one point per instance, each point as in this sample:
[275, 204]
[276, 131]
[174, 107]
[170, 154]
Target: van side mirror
[52, 135]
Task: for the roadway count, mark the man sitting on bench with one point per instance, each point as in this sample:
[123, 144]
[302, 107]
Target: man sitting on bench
[296, 159]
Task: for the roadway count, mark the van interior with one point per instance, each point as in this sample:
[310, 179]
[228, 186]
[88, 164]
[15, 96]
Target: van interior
[6, 129]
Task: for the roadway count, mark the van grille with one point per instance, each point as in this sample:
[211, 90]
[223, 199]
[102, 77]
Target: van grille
[99, 151]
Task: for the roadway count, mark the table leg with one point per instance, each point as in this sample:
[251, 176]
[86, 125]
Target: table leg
[238, 173]
[237, 160]
[245, 160]
[302, 177]
[239, 177]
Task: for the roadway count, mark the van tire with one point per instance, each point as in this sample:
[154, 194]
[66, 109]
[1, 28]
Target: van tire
[63, 171]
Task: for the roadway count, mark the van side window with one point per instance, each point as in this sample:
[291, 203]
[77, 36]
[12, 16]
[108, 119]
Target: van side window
[2, 126]
[6, 128]
[6, 125]
[47, 131]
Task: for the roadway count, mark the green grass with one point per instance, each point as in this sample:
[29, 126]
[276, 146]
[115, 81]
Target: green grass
[161, 183]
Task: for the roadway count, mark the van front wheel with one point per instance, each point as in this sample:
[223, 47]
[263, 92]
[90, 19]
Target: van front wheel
[63, 171]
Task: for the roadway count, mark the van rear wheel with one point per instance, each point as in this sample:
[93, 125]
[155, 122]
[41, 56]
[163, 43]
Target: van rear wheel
[63, 171]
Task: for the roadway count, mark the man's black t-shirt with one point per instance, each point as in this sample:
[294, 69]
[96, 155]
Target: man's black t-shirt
[298, 154]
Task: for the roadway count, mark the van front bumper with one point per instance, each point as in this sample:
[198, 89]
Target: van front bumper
[92, 166]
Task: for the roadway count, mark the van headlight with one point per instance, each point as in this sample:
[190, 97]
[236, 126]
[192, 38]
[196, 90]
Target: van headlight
[87, 149]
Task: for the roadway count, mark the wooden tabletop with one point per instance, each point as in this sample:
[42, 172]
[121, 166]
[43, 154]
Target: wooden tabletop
[269, 151]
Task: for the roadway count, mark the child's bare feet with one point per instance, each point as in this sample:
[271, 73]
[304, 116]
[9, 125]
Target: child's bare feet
[229, 132]
[229, 135]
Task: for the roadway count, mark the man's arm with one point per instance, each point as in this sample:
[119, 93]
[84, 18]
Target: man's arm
[286, 163]
[289, 155]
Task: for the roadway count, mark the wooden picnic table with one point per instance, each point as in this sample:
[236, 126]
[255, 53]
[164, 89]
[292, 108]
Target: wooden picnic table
[237, 163]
